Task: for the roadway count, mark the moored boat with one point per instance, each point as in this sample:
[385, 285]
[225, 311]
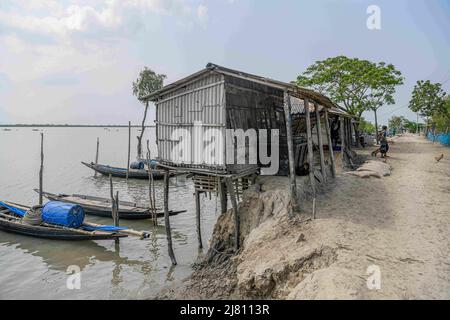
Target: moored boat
[101, 207]
[122, 172]
[11, 220]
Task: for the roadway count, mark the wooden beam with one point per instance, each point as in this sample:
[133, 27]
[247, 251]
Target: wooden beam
[167, 219]
[287, 114]
[330, 143]
[310, 156]
[198, 220]
[237, 223]
[320, 140]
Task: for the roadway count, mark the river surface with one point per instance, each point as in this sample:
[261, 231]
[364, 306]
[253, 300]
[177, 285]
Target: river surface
[33, 268]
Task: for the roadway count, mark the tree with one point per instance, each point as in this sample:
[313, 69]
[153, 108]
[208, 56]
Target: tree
[359, 85]
[427, 99]
[147, 82]
[441, 118]
[366, 126]
[383, 83]
[396, 122]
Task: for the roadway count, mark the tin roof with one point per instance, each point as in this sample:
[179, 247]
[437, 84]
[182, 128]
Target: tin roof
[293, 89]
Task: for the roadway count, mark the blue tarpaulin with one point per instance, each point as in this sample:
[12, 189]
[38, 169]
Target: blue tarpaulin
[440, 137]
[63, 214]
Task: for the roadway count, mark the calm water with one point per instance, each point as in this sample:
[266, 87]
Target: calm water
[36, 268]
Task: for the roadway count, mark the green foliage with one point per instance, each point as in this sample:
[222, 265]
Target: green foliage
[427, 99]
[366, 126]
[411, 125]
[441, 117]
[147, 82]
[396, 122]
[358, 85]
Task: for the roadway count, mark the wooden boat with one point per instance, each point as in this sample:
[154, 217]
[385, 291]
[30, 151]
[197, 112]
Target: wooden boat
[10, 221]
[122, 172]
[101, 207]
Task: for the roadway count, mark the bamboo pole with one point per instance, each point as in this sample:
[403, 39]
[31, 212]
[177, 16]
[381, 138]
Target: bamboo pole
[343, 144]
[320, 140]
[41, 170]
[198, 221]
[166, 217]
[287, 114]
[310, 156]
[129, 149]
[151, 187]
[116, 219]
[237, 223]
[96, 155]
[330, 143]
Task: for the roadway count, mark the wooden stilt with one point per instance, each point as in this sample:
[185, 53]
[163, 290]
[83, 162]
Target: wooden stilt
[237, 223]
[343, 143]
[320, 140]
[223, 197]
[96, 155]
[292, 179]
[151, 187]
[41, 170]
[330, 143]
[310, 154]
[114, 205]
[129, 149]
[166, 218]
[198, 220]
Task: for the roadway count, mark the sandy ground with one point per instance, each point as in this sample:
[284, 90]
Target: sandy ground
[397, 226]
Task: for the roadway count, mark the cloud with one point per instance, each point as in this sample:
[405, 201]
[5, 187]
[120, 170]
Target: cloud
[202, 14]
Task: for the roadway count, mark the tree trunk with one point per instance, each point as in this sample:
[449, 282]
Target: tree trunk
[139, 145]
[376, 126]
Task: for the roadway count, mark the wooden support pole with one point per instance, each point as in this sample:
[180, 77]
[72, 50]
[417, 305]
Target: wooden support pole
[237, 222]
[292, 178]
[343, 144]
[129, 149]
[310, 155]
[223, 196]
[116, 219]
[151, 187]
[166, 218]
[330, 143]
[320, 140]
[96, 155]
[41, 170]
[198, 220]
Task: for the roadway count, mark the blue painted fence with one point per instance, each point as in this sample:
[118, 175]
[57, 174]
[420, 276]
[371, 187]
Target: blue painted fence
[440, 137]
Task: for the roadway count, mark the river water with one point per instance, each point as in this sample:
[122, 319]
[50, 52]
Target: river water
[33, 268]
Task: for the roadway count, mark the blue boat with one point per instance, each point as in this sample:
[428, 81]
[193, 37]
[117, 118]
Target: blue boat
[122, 172]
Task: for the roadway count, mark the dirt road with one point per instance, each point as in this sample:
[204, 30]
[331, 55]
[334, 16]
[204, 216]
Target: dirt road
[393, 229]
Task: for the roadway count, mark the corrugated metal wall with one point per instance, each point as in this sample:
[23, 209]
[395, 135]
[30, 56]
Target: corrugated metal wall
[201, 102]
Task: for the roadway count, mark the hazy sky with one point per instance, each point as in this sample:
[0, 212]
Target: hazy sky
[74, 61]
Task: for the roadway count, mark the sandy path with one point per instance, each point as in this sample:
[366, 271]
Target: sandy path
[399, 224]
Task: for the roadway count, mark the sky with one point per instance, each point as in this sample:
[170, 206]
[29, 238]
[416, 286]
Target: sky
[67, 61]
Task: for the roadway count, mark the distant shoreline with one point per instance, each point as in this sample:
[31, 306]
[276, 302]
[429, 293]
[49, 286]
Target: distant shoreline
[69, 126]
